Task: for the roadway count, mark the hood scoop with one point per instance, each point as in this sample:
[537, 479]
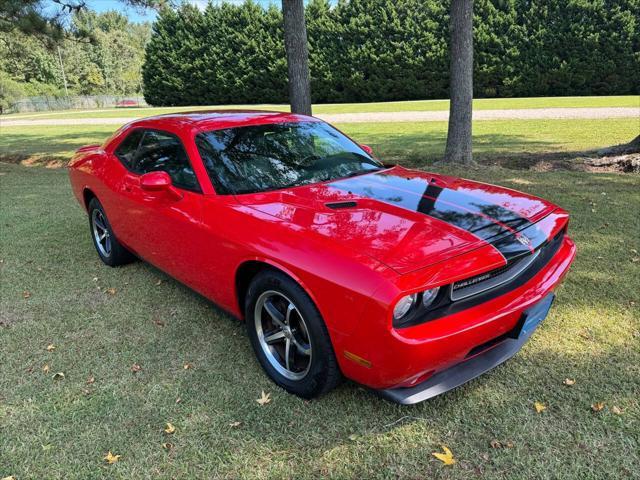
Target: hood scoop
[341, 205]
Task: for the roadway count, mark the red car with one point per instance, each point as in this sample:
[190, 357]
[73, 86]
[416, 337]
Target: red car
[408, 282]
[127, 103]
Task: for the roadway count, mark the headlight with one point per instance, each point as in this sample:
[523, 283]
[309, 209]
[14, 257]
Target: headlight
[403, 306]
[428, 296]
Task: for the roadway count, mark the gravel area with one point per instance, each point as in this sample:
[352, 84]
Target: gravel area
[367, 117]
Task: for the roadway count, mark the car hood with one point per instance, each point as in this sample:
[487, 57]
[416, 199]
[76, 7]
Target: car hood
[407, 219]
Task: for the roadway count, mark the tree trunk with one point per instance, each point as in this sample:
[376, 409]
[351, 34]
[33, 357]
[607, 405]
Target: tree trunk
[295, 43]
[461, 83]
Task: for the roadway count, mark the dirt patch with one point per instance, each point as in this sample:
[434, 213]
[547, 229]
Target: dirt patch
[623, 158]
[35, 161]
[577, 162]
[618, 163]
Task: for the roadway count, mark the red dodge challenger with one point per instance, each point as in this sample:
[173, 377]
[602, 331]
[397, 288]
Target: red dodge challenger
[408, 282]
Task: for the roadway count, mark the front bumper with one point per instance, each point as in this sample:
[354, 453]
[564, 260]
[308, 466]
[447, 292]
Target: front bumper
[404, 358]
[475, 366]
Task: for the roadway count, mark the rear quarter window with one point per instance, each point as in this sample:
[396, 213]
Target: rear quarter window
[126, 151]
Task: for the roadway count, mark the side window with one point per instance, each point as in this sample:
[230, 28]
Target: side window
[127, 149]
[161, 151]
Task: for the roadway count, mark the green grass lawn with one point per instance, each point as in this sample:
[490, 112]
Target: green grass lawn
[506, 141]
[63, 428]
[416, 105]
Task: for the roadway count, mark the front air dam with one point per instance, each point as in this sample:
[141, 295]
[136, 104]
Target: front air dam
[476, 365]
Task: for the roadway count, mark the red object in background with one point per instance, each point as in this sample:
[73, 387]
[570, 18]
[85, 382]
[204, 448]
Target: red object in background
[357, 246]
[127, 103]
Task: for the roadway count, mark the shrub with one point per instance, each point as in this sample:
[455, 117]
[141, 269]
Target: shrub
[377, 50]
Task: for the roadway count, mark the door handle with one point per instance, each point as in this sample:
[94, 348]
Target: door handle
[130, 181]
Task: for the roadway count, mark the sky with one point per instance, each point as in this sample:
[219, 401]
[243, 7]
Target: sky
[148, 15]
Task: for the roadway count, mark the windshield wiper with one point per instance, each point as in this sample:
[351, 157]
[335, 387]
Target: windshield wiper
[358, 172]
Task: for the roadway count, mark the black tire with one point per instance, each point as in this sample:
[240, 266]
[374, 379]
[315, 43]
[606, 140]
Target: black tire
[323, 373]
[116, 254]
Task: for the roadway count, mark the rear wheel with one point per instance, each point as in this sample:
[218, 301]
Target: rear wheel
[289, 336]
[110, 251]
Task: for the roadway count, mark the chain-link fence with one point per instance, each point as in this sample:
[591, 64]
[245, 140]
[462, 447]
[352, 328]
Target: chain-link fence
[83, 102]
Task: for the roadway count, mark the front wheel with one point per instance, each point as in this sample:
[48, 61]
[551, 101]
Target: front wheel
[110, 251]
[289, 336]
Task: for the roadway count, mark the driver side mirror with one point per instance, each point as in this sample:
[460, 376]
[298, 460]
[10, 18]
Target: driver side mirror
[159, 182]
[155, 181]
[367, 149]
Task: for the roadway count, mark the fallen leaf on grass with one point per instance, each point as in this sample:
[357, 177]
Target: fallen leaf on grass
[586, 334]
[446, 457]
[111, 458]
[111, 291]
[264, 398]
[540, 407]
[45, 368]
[235, 424]
[499, 444]
[135, 368]
[26, 294]
[188, 366]
[158, 322]
[51, 347]
[10, 477]
[159, 282]
[58, 376]
[167, 446]
[596, 407]
[569, 382]
[169, 429]
[616, 410]
[90, 380]
[178, 400]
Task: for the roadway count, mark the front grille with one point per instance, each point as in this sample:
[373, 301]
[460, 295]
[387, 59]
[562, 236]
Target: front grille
[499, 276]
[444, 305]
[469, 282]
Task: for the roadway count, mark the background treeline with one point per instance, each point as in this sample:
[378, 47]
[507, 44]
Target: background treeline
[374, 50]
[101, 54]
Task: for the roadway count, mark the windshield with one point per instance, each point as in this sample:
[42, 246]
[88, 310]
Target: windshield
[279, 155]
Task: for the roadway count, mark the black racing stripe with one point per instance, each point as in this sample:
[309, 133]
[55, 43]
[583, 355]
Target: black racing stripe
[488, 221]
[522, 242]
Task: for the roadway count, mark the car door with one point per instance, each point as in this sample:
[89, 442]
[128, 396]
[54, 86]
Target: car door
[164, 228]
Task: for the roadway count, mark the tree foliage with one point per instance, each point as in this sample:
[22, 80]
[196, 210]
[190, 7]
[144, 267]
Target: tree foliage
[110, 64]
[374, 50]
[48, 19]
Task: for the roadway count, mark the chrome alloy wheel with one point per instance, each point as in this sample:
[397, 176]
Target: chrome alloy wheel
[101, 232]
[283, 335]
